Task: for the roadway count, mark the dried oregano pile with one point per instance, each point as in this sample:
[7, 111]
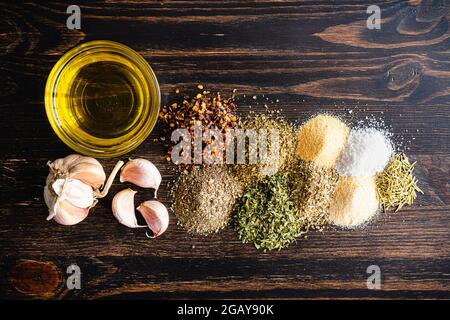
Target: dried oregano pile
[265, 214]
[277, 160]
[311, 190]
[323, 172]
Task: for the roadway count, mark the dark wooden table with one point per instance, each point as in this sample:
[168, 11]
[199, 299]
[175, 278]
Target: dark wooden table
[310, 55]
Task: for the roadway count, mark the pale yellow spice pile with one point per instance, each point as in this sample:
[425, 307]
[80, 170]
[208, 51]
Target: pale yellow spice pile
[354, 201]
[322, 139]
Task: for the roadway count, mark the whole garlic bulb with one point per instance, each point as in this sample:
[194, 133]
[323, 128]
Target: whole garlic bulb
[73, 186]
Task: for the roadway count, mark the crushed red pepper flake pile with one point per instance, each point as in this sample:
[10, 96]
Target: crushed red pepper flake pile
[206, 109]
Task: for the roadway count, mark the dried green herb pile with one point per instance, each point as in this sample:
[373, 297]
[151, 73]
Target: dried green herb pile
[396, 185]
[271, 120]
[280, 208]
[203, 198]
[265, 214]
[312, 188]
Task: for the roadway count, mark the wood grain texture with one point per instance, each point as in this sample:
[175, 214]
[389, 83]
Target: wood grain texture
[311, 56]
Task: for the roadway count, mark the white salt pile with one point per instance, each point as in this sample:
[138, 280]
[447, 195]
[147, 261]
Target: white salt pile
[366, 153]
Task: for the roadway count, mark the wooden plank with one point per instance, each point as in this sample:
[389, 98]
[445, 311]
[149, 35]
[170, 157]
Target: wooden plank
[310, 56]
[107, 277]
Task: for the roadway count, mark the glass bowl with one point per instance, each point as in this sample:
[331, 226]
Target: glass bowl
[102, 99]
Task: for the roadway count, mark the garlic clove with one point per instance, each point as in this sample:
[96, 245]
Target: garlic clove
[123, 208]
[67, 214]
[156, 216]
[50, 178]
[58, 186]
[78, 193]
[70, 159]
[142, 173]
[83, 160]
[48, 197]
[56, 165]
[50, 200]
[89, 172]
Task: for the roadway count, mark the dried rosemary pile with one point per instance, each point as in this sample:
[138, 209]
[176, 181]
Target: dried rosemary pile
[396, 185]
[203, 198]
[265, 215]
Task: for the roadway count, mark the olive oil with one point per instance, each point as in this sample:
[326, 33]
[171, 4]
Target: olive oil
[102, 100]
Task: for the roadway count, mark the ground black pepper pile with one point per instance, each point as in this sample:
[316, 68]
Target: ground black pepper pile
[203, 198]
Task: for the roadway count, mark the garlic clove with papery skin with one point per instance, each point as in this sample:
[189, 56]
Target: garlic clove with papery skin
[89, 171]
[142, 173]
[70, 201]
[58, 186]
[75, 166]
[156, 216]
[70, 159]
[50, 200]
[123, 208]
[76, 192]
[67, 214]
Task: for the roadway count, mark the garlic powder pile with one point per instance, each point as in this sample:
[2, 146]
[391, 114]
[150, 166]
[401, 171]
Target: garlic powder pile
[321, 140]
[354, 202]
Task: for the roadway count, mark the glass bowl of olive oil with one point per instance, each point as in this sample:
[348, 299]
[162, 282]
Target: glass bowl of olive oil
[102, 99]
